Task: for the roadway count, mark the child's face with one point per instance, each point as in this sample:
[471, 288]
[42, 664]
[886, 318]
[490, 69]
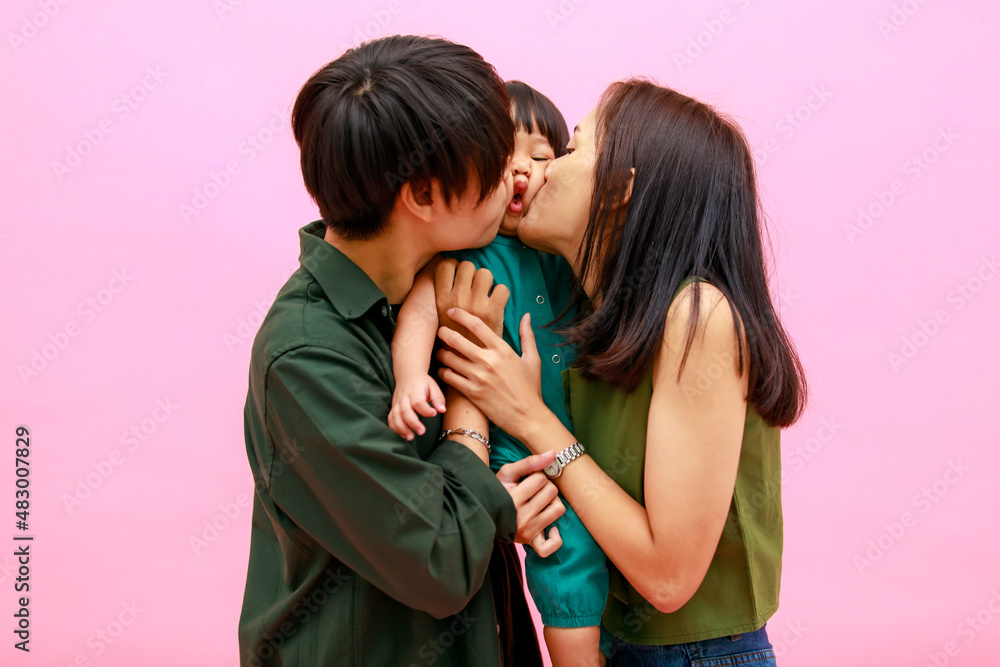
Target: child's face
[532, 153]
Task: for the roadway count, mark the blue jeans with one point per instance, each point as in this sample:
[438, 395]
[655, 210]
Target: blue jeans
[750, 649]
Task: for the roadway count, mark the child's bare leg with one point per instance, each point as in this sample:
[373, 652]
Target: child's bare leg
[574, 647]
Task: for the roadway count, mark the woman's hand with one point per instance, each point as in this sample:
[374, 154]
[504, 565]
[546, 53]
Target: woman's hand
[506, 387]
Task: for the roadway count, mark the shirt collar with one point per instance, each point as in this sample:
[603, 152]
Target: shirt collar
[349, 289]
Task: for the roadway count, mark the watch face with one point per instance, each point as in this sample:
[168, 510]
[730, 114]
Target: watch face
[553, 469]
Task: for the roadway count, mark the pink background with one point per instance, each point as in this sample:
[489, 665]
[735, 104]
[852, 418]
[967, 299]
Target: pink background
[157, 100]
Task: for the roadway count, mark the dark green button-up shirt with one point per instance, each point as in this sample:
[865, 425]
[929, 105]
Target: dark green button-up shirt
[365, 549]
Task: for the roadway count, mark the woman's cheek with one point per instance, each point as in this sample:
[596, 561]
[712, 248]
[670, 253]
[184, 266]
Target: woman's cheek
[546, 195]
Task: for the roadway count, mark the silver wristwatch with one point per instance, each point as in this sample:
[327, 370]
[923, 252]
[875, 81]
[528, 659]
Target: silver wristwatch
[563, 459]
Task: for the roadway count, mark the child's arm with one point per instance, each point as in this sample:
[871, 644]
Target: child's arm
[465, 415]
[416, 329]
[461, 285]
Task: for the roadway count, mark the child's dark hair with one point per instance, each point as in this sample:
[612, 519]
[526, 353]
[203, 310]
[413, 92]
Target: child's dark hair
[399, 109]
[534, 112]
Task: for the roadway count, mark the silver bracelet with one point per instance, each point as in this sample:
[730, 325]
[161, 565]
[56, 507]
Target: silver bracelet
[472, 434]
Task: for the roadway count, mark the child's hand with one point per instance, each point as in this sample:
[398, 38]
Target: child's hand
[420, 396]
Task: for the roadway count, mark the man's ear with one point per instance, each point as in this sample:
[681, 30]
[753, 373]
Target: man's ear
[417, 198]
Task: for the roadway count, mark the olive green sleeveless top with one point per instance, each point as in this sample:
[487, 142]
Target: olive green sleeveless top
[740, 590]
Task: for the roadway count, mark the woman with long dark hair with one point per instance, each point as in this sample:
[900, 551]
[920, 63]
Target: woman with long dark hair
[684, 376]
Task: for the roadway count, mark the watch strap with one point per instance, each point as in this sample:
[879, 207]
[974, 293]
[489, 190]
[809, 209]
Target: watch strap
[564, 458]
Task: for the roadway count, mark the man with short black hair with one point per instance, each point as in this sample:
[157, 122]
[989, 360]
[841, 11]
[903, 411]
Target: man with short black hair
[367, 549]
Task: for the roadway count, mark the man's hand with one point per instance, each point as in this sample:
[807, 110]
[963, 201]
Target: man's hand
[537, 501]
[463, 286]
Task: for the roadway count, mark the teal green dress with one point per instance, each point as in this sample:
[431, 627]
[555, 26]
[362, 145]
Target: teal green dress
[740, 590]
[570, 587]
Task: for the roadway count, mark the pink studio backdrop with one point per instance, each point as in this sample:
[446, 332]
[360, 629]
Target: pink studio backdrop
[151, 197]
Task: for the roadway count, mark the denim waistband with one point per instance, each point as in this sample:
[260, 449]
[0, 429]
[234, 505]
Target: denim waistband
[729, 644]
[717, 647]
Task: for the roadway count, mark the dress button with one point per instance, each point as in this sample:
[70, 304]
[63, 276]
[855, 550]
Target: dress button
[540, 299]
[555, 358]
[385, 311]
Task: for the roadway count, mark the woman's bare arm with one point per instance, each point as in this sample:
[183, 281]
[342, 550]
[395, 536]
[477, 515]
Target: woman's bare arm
[695, 432]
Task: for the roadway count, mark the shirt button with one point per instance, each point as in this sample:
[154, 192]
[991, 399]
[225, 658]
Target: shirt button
[540, 299]
[555, 358]
[385, 311]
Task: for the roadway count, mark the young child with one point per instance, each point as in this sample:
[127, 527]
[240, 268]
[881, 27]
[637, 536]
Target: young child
[570, 586]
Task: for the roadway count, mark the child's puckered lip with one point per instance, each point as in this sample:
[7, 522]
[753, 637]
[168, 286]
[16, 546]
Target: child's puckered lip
[516, 205]
[520, 184]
